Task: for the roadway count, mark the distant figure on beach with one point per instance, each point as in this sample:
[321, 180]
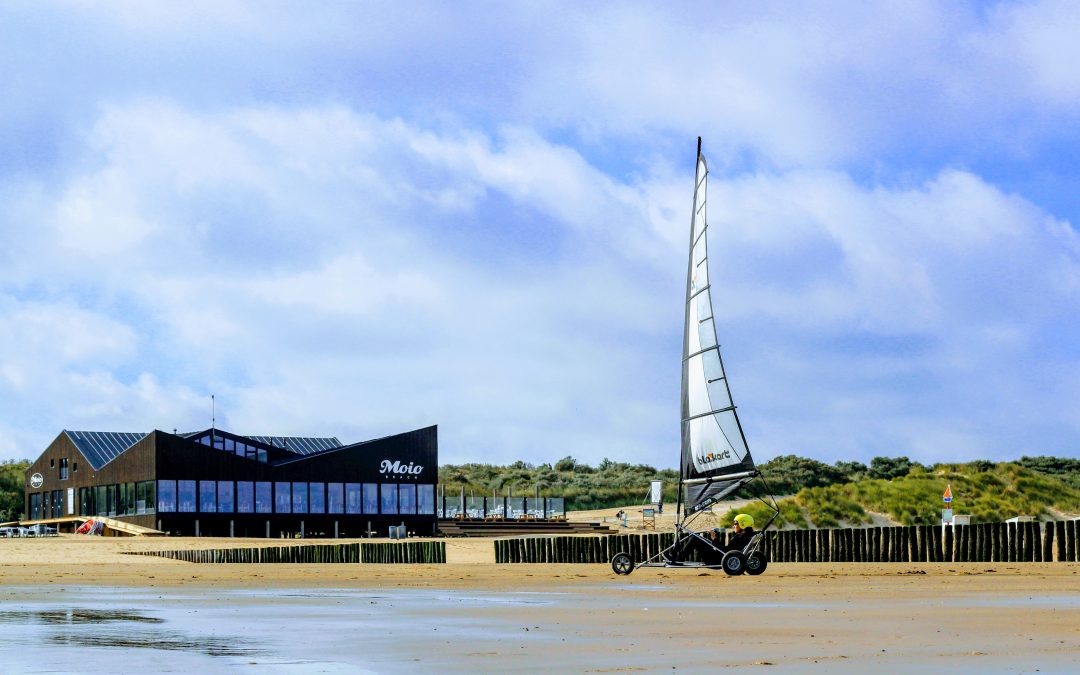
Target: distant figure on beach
[659, 508]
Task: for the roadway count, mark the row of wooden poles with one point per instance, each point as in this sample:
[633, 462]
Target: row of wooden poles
[989, 542]
[580, 549]
[986, 542]
[404, 552]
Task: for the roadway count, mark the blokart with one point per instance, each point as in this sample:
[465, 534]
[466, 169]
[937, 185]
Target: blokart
[715, 460]
[702, 550]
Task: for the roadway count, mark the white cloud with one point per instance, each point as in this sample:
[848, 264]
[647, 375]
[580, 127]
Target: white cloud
[901, 316]
[337, 232]
[60, 333]
[366, 308]
[1038, 40]
[851, 84]
[857, 316]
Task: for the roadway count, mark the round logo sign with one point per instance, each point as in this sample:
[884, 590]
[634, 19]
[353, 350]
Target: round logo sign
[36, 480]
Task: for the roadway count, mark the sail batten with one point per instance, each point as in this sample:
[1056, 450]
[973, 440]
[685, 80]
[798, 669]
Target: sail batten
[715, 456]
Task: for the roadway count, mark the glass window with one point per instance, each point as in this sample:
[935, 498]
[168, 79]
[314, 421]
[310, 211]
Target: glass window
[230, 445]
[85, 502]
[335, 498]
[111, 497]
[140, 498]
[261, 456]
[121, 499]
[131, 499]
[63, 469]
[166, 502]
[245, 497]
[100, 507]
[264, 497]
[241, 449]
[318, 497]
[225, 496]
[407, 499]
[371, 497]
[150, 500]
[299, 497]
[207, 496]
[185, 496]
[515, 507]
[35, 506]
[425, 500]
[282, 497]
[352, 498]
[205, 440]
[389, 498]
[556, 506]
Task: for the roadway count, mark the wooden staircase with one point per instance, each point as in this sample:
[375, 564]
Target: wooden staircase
[515, 528]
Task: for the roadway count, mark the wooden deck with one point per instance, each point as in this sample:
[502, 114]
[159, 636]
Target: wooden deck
[513, 528]
[112, 526]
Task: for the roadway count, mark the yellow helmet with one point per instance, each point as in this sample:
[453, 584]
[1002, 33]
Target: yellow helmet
[744, 520]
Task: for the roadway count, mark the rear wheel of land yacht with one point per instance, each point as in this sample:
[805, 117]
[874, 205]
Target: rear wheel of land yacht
[734, 563]
[622, 563]
[756, 563]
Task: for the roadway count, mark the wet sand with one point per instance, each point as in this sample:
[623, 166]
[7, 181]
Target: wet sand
[473, 615]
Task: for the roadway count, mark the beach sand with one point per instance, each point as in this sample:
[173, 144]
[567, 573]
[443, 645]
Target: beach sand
[991, 617]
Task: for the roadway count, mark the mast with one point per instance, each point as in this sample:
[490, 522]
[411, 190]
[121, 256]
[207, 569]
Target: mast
[685, 403]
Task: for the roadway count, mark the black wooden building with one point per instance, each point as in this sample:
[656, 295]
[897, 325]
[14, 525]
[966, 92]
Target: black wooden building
[217, 483]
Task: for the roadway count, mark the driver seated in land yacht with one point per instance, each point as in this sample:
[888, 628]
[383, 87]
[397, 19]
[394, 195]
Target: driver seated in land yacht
[711, 555]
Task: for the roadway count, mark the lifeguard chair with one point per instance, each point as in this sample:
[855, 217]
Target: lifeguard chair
[648, 519]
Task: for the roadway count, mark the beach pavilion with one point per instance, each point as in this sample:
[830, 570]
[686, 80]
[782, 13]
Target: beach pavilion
[217, 483]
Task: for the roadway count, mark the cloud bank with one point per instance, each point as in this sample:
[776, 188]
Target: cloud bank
[336, 231]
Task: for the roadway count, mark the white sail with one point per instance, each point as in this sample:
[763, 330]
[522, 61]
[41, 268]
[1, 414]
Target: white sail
[713, 442]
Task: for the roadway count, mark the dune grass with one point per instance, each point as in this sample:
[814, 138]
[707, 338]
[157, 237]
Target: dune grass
[987, 492]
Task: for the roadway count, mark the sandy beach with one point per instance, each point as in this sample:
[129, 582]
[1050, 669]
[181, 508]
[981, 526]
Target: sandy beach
[850, 617]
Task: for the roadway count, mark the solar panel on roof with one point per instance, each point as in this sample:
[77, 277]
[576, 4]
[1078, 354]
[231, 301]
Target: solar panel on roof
[101, 447]
[298, 444]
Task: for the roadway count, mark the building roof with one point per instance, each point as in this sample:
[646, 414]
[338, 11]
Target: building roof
[297, 444]
[101, 447]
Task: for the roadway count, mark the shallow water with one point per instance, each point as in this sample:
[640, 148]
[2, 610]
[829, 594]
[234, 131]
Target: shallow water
[90, 629]
[94, 629]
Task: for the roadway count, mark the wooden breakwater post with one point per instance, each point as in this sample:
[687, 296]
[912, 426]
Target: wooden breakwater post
[1033, 536]
[414, 552]
[981, 542]
[581, 549]
[1048, 543]
[1070, 540]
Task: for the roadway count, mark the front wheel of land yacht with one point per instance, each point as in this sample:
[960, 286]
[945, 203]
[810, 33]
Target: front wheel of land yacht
[733, 563]
[622, 563]
[756, 563]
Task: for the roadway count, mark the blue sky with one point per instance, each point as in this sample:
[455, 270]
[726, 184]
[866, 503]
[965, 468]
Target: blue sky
[357, 218]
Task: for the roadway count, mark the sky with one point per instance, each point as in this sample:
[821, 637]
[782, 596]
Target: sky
[355, 219]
